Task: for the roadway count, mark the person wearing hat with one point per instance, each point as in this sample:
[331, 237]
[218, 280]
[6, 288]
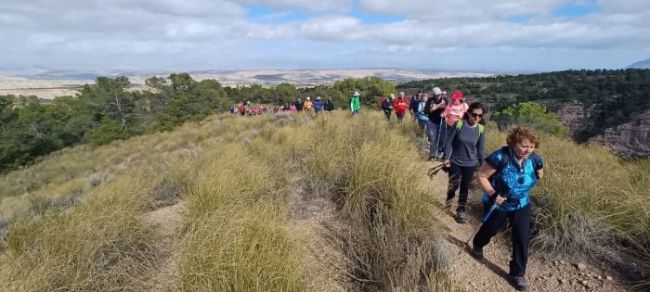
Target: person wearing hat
[400, 104]
[318, 105]
[355, 103]
[308, 105]
[387, 105]
[456, 110]
[299, 105]
[434, 108]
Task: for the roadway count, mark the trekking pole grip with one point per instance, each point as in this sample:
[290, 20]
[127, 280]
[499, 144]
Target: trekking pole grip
[489, 213]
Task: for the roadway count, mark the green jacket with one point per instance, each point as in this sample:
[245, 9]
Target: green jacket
[355, 103]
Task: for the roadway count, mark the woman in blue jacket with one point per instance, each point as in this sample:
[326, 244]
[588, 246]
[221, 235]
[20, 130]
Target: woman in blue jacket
[506, 177]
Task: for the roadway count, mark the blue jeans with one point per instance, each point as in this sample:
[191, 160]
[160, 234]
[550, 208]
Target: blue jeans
[435, 138]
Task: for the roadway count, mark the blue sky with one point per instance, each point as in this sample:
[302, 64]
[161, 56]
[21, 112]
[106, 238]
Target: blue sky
[508, 35]
[577, 10]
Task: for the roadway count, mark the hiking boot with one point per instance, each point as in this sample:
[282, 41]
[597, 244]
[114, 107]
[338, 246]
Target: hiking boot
[461, 217]
[449, 203]
[477, 253]
[520, 283]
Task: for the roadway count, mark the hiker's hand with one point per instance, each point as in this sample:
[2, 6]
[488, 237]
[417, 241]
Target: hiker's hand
[499, 200]
[447, 163]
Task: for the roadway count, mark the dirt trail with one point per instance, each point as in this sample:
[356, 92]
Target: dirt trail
[167, 221]
[491, 273]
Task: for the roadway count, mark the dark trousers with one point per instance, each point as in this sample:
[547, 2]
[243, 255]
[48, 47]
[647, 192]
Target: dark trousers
[388, 113]
[400, 116]
[520, 222]
[460, 176]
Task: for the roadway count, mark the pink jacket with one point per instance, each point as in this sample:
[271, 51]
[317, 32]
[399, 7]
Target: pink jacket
[455, 112]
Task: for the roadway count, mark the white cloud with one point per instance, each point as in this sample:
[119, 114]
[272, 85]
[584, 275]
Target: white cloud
[463, 11]
[331, 28]
[154, 33]
[625, 7]
[340, 6]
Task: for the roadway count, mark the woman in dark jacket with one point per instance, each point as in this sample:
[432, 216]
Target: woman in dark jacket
[463, 154]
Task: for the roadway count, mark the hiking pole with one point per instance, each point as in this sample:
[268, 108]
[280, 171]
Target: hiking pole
[438, 138]
[485, 219]
[434, 170]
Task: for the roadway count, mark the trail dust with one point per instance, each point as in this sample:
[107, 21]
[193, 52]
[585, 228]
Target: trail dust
[167, 221]
[491, 274]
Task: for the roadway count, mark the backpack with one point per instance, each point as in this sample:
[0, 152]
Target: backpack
[386, 103]
[505, 158]
[481, 129]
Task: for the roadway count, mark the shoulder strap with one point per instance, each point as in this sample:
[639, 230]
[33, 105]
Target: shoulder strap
[504, 158]
[535, 158]
[459, 125]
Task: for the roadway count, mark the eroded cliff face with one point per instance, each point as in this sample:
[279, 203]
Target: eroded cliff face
[631, 139]
[579, 120]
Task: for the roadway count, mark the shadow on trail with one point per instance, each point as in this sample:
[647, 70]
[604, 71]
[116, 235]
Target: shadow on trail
[488, 264]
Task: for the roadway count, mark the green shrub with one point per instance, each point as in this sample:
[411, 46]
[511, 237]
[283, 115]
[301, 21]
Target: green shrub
[533, 115]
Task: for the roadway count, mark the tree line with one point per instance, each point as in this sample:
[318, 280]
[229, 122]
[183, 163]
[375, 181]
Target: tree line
[612, 97]
[110, 110]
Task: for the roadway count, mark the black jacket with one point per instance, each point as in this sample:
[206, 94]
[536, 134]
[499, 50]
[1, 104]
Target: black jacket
[329, 106]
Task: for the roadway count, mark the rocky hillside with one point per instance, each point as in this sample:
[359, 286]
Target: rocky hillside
[605, 106]
[630, 139]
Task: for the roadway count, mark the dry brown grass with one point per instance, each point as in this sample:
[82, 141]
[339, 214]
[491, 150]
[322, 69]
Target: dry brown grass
[76, 217]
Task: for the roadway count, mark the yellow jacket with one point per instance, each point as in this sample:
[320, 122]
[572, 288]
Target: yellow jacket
[308, 105]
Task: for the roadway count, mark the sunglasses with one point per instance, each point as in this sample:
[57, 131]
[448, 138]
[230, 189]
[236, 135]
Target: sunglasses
[475, 115]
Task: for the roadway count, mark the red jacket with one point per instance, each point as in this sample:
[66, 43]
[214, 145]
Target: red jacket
[400, 105]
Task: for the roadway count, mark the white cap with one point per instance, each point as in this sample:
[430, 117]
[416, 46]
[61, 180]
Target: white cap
[308, 98]
[437, 91]
[356, 93]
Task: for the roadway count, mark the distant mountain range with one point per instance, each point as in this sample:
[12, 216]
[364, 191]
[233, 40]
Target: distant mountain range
[298, 77]
[48, 83]
[645, 64]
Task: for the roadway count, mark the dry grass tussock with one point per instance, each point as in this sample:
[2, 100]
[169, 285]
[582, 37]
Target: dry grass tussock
[373, 174]
[74, 218]
[85, 247]
[591, 204]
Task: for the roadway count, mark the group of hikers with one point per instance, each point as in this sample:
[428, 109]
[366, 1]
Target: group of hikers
[245, 108]
[317, 106]
[456, 135]
[436, 114]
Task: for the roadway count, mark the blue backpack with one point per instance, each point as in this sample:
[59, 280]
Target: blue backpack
[495, 178]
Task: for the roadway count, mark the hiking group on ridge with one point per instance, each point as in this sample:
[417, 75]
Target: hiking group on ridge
[457, 135]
